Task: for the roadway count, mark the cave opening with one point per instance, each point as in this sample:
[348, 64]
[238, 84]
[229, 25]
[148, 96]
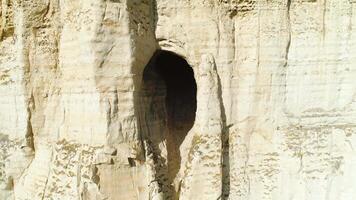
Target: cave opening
[170, 90]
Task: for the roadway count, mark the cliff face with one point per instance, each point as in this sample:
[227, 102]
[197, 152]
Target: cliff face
[178, 99]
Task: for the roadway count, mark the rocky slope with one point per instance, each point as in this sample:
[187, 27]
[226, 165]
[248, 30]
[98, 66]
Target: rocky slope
[177, 99]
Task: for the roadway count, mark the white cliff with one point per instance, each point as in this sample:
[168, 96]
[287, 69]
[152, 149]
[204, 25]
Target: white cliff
[177, 99]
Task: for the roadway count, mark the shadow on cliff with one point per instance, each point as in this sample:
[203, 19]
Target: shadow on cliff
[169, 96]
[225, 176]
[169, 85]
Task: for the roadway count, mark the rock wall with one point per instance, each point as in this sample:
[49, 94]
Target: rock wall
[97, 99]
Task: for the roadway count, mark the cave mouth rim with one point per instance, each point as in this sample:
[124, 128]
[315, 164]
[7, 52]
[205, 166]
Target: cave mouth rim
[151, 73]
[178, 76]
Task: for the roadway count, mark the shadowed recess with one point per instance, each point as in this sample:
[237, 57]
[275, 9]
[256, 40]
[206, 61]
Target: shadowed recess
[169, 90]
[181, 90]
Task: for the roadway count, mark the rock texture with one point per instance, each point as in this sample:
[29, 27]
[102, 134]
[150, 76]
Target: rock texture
[177, 99]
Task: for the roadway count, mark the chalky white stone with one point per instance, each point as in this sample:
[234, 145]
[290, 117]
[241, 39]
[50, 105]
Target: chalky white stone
[260, 104]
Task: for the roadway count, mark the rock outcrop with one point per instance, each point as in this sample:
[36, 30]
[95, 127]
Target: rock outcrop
[177, 99]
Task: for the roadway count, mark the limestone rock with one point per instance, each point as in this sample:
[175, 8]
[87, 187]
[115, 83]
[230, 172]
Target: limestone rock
[177, 99]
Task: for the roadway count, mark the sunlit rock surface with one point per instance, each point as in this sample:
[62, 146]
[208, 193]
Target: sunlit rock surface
[177, 99]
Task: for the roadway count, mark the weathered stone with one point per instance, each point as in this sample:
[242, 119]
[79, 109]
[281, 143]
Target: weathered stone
[177, 99]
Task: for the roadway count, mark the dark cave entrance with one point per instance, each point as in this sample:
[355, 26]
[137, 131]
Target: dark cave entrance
[169, 98]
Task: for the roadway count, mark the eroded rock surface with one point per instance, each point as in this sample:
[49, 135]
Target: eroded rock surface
[177, 99]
